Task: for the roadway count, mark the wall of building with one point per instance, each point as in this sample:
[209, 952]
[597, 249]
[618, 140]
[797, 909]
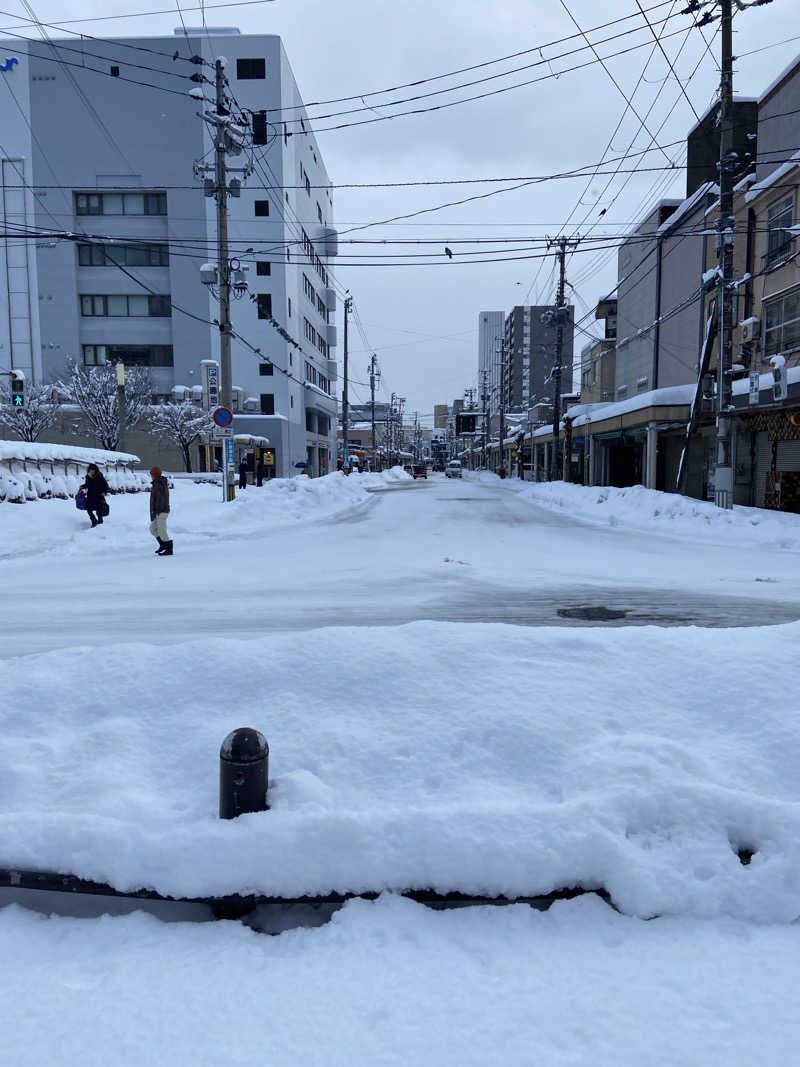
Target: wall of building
[777, 119]
[123, 136]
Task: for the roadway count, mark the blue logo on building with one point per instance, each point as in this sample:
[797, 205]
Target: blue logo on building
[9, 64]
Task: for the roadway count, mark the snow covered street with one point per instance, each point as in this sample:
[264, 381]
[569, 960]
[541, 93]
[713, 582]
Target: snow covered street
[461, 550]
[473, 685]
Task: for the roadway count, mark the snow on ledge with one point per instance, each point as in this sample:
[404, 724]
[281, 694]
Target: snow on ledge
[42, 451]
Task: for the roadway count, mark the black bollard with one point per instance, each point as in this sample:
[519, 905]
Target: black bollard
[243, 767]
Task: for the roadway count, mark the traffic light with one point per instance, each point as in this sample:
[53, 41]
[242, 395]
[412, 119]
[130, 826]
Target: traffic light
[17, 389]
[259, 127]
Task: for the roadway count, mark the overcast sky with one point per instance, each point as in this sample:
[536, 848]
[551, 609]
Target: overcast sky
[422, 319]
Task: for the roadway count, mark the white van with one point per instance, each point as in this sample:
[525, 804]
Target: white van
[453, 469]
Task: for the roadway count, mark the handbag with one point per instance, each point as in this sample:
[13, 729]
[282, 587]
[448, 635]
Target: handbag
[80, 500]
[104, 508]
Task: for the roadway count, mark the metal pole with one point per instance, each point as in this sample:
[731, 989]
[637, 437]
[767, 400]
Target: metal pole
[120, 407]
[345, 404]
[723, 477]
[557, 365]
[221, 195]
[502, 398]
[372, 363]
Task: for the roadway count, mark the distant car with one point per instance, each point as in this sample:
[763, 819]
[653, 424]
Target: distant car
[419, 470]
[453, 469]
[408, 468]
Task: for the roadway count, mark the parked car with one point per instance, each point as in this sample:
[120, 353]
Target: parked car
[408, 468]
[420, 471]
[453, 469]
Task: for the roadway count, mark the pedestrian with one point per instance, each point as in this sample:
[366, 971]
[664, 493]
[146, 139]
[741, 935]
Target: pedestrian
[243, 474]
[159, 509]
[95, 487]
[260, 472]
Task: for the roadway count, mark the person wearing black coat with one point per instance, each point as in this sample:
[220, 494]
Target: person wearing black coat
[243, 474]
[159, 510]
[95, 488]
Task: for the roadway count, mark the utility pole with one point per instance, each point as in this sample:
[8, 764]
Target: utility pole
[485, 402]
[374, 374]
[560, 319]
[228, 137]
[348, 303]
[502, 397]
[723, 477]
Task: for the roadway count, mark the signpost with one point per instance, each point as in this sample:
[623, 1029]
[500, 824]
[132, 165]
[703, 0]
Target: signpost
[754, 386]
[223, 420]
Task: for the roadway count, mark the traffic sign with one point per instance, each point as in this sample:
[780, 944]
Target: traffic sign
[223, 417]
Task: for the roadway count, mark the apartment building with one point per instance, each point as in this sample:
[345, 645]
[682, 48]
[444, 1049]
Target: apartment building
[98, 141]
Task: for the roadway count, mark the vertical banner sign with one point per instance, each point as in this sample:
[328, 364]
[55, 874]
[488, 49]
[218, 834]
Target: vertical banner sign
[210, 371]
[229, 464]
[754, 384]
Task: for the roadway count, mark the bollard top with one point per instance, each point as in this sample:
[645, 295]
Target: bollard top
[244, 745]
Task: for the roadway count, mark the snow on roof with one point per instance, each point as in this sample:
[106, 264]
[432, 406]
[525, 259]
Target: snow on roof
[40, 450]
[770, 180]
[765, 381]
[688, 205]
[669, 396]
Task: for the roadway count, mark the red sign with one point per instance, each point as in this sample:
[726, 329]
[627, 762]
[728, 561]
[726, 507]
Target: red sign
[223, 417]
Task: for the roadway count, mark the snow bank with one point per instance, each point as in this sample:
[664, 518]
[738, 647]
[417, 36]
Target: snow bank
[39, 471]
[666, 513]
[390, 983]
[500, 760]
[41, 450]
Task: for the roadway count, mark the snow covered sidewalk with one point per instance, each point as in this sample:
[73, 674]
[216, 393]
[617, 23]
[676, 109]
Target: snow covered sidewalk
[667, 514]
[485, 758]
[197, 513]
[392, 983]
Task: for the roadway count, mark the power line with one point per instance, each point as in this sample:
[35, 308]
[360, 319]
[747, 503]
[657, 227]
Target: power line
[477, 81]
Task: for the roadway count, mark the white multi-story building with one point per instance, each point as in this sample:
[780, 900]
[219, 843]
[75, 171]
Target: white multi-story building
[98, 141]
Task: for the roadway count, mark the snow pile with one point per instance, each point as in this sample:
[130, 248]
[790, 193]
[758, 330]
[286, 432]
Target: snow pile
[502, 760]
[391, 982]
[39, 471]
[41, 450]
[670, 513]
[197, 513]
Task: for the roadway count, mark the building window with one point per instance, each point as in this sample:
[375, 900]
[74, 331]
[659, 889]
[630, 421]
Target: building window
[779, 219]
[144, 306]
[290, 312]
[622, 392]
[782, 324]
[267, 403]
[130, 355]
[248, 69]
[261, 208]
[143, 255]
[266, 370]
[263, 268]
[641, 384]
[120, 203]
[264, 302]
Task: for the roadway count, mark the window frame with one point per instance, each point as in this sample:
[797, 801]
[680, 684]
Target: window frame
[257, 63]
[777, 252]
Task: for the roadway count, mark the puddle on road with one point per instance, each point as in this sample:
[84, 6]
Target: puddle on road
[606, 607]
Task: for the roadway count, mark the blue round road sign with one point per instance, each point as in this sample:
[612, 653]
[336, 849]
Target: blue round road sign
[223, 416]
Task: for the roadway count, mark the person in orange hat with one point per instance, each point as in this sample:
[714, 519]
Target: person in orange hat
[159, 509]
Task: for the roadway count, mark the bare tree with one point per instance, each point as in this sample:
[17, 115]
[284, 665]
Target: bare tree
[181, 423]
[37, 413]
[94, 390]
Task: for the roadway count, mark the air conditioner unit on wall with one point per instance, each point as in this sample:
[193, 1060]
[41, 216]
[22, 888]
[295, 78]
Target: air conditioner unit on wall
[751, 330]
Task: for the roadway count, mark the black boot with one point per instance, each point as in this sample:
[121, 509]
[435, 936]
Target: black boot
[162, 547]
[167, 549]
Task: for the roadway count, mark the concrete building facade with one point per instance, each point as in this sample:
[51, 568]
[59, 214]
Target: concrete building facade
[93, 147]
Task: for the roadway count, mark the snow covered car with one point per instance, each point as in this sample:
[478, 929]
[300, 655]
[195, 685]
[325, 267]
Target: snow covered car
[453, 469]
